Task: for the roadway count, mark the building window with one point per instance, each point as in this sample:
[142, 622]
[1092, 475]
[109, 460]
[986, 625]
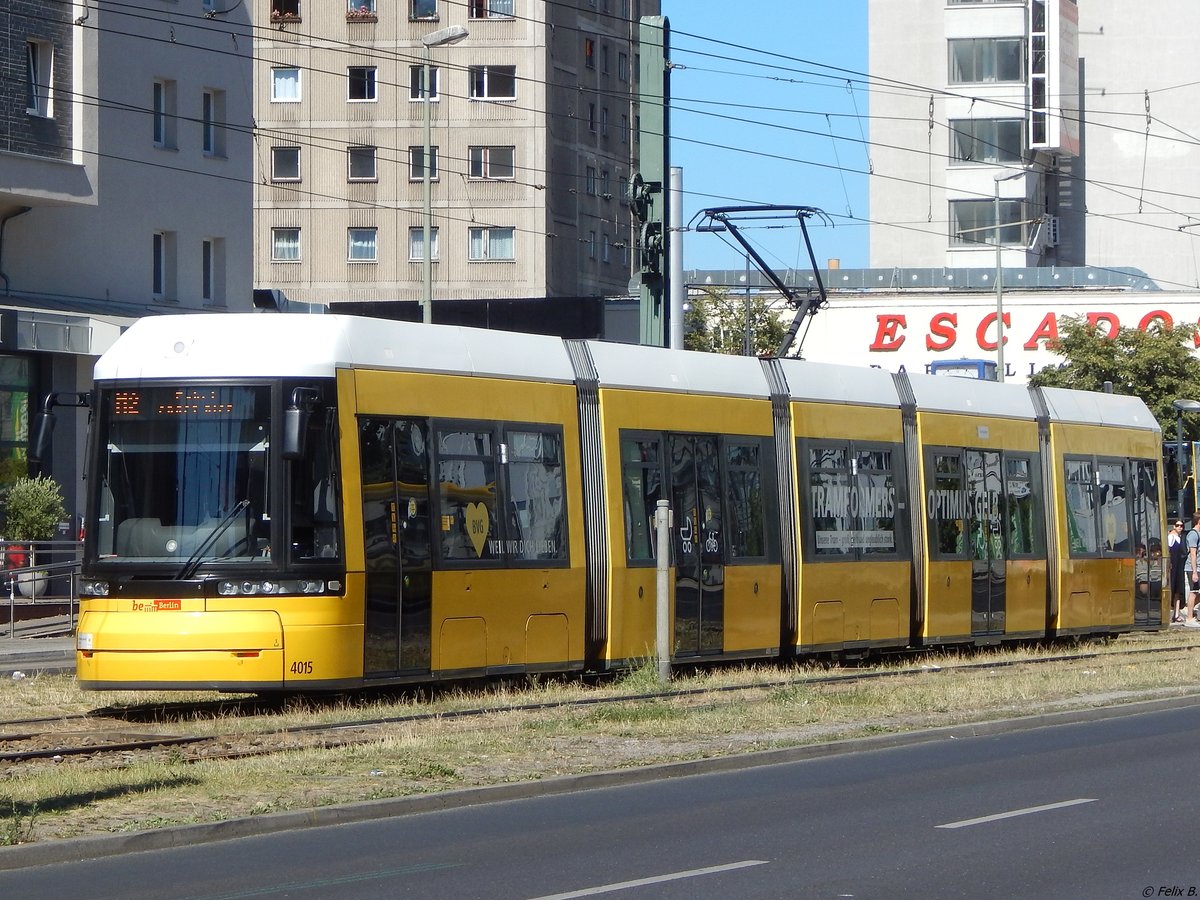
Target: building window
[490, 244]
[212, 118]
[206, 271]
[416, 163]
[285, 10]
[987, 140]
[591, 244]
[490, 9]
[285, 85]
[589, 181]
[164, 114]
[592, 118]
[416, 243]
[361, 163]
[986, 60]
[605, 185]
[604, 59]
[624, 128]
[212, 271]
[361, 83]
[285, 244]
[492, 162]
[493, 82]
[285, 163]
[361, 244]
[604, 248]
[162, 284]
[39, 72]
[974, 222]
[360, 9]
[604, 121]
[425, 10]
[623, 66]
[416, 76]
[589, 53]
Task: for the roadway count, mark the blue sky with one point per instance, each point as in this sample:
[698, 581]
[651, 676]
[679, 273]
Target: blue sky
[762, 114]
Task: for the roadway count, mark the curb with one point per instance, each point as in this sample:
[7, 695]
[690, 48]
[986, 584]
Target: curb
[78, 849]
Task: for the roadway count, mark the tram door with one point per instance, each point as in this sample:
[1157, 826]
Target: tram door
[1149, 566]
[699, 544]
[396, 541]
[985, 485]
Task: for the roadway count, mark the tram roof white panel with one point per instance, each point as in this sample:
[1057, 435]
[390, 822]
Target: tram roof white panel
[1094, 408]
[830, 383]
[677, 371]
[270, 345]
[971, 396]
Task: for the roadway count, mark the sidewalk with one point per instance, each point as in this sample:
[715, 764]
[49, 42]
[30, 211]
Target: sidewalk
[40, 645]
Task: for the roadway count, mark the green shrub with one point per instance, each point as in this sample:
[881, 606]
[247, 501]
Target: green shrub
[33, 509]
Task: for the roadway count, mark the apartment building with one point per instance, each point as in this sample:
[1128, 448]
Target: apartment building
[125, 188]
[530, 120]
[1062, 128]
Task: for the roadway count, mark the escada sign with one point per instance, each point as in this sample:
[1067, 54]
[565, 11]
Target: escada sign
[901, 332]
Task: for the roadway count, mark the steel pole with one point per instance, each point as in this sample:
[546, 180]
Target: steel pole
[426, 249]
[662, 594]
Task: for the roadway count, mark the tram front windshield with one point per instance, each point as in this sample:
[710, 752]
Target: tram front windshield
[183, 475]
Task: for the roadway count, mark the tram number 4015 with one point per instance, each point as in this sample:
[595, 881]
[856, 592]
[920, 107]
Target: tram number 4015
[304, 667]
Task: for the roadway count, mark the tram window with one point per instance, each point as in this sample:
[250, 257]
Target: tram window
[1022, 506]
[875, 485]
[467, 485]
[641, 483]
[1114, 508]
[829, 500]
[1147, 523]
[1081, 507]
[747, 505]
[946, 507]
[536, 508]
[315, 497]
[411, 438]
[378, 487]
[211, 444]
[850, 499]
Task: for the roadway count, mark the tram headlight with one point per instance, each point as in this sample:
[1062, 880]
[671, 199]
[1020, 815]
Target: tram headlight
[93, 588]
[277, 588]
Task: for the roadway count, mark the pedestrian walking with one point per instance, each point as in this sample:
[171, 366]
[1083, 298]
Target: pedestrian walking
[1192, 568]
[1177, 556]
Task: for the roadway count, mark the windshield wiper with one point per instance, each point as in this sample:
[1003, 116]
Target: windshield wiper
[193, 563]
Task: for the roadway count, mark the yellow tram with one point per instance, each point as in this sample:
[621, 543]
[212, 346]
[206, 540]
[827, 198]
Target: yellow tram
[326, 502]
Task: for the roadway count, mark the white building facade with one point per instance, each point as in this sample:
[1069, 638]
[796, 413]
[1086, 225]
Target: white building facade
[532, 133]
[1060, 128]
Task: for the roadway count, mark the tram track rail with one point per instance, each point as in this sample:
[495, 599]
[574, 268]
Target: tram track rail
[108, 736]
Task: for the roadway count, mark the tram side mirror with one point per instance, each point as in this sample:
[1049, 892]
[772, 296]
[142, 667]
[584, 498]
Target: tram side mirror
[295, 427]
[43, 426]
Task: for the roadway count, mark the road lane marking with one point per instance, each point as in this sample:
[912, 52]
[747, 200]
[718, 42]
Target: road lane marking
[1028, 811]
[657, 879]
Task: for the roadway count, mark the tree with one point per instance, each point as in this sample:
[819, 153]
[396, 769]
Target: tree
[1157, 365]
[716, 323]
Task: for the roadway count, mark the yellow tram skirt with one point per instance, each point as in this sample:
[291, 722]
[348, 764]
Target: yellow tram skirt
[176, 650]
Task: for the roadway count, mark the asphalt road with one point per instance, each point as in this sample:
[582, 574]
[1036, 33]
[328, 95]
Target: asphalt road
[1096, 809]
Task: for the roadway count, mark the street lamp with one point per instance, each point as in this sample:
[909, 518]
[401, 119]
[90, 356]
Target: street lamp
[438, 38]
[1000, 276]
[1181, 407]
